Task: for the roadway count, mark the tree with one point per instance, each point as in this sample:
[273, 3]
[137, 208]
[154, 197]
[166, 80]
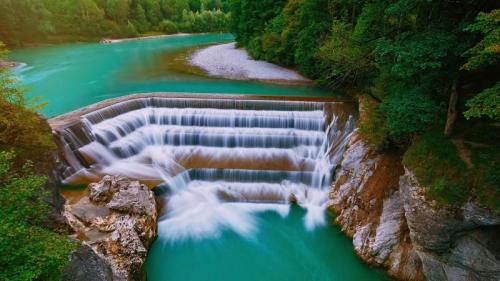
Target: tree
[24, 21]
[481, 58]
[139, 18]
[118, 10]
[153, 11]
[172, 9]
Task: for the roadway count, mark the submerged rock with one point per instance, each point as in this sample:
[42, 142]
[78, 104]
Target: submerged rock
[383, 207]
[117, 220]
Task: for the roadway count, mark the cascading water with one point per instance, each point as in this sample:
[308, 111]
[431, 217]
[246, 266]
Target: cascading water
[217, 162]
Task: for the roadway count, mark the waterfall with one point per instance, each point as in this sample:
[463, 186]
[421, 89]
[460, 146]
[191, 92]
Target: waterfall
[216, 162]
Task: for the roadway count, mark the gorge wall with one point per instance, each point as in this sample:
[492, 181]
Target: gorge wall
[381, 205]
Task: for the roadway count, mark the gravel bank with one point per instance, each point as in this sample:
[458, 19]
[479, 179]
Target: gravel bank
[228, 62]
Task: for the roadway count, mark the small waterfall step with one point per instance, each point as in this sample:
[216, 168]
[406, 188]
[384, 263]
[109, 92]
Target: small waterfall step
[242, 141]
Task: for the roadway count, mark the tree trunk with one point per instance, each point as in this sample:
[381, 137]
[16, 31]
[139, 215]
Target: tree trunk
[452, 107]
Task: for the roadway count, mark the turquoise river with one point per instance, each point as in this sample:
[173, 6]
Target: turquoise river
[70, 76]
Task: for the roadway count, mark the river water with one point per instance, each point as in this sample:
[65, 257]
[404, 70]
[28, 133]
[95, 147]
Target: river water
[70, 76]
[202, 239]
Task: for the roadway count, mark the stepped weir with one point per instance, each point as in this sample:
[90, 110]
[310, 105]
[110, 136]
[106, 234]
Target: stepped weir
[215, 158]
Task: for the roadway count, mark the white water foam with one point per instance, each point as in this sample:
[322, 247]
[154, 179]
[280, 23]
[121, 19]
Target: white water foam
[220, 167]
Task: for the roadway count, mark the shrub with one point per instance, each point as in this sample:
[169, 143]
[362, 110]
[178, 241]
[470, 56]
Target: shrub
[169, 27]
[21, 129]
[434, 160]
[409, 112]
[372, 127]
[28, 251]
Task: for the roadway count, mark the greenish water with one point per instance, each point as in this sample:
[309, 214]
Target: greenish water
[281, 248]
[70, 76]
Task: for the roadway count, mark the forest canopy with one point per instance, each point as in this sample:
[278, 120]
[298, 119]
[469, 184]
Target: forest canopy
[34, 21]
[427, 73]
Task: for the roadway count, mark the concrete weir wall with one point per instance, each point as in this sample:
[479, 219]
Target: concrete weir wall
[72, 129]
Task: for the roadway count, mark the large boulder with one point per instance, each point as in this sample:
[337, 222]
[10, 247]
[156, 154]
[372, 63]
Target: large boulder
[117, 220]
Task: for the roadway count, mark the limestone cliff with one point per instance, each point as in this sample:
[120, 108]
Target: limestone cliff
[117, 221]
[383, 208]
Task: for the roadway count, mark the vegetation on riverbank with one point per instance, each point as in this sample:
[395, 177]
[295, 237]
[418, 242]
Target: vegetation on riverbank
[422, 66]
[26, 22]
[29, 249]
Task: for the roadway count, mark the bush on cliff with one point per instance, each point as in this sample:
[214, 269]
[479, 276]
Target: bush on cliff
[436, 163]
[21, 128]
[28, 250]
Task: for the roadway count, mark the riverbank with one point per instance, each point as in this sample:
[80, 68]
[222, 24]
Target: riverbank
[227, 61]
[9, 64]
[144, 37]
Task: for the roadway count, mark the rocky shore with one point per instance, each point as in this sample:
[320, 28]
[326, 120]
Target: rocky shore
[116, 223]
[112, 41]
[9, 64]
[227, 61]
[381, 205]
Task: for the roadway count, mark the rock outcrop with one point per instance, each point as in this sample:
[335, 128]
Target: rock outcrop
[117, 220]
[383, 208]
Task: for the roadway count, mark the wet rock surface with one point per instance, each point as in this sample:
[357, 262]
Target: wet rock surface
[382, 206]
[117, 221]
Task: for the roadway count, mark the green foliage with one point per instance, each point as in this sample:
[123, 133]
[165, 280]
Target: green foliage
[34, 21]
[21, 128]
[434, 160]
[348, 58]
[407, 56]
[482, 58]
[487, 51]
[204, 21]
[28, 250]
[408, 113]
[486, 103]
[168, 27]
[372, 126]
[417, 48]
[486, 176]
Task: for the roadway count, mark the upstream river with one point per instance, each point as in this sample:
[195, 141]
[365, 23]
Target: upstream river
[70, 76]
[276, 245]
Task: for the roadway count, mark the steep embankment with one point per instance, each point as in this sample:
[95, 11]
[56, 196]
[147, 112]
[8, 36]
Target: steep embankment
[381, 205]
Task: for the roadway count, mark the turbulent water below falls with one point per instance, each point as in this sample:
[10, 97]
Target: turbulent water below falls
[228, 171]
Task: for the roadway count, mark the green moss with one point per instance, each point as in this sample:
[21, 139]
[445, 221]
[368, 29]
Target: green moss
[485, 176]
[372, 127]
[434, 160]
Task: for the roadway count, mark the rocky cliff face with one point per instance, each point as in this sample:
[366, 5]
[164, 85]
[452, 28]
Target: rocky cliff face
[117, 224]
[383, 208]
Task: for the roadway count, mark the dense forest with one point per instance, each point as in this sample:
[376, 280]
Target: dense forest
[52, 21]
[427, 72]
